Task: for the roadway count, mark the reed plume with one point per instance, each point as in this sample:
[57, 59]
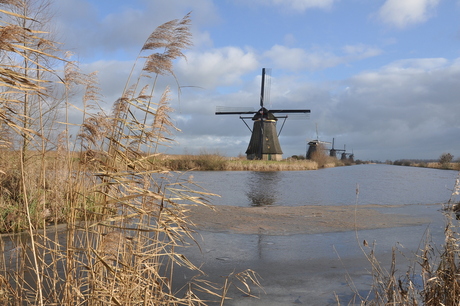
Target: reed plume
[125, 217]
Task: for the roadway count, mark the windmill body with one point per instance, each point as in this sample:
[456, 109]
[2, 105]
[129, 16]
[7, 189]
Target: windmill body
[333, 151]
[315, 145]
[312, 148]
[264, 143]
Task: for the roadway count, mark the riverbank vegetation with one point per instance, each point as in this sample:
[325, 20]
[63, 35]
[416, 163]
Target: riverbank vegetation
[215, 161]
[445, 161]
[125, 219]
[432, 278]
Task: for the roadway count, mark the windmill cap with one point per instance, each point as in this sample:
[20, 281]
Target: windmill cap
[266, 115]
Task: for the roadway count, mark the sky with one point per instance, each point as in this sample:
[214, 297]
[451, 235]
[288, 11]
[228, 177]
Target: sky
[381, 77]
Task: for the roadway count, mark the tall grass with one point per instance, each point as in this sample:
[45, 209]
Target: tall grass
[124, 218]
[433, 278]
[215, 161]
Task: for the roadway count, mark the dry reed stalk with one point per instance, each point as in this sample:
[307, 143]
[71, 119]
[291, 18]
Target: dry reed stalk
[125, 219]
[170, 38]
[439, 271]
[141, 207]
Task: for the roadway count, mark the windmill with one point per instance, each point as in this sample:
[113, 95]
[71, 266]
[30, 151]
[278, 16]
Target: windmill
[333, 152]
[314, 145]
[343, 156]
[264, 143]
[347, 156]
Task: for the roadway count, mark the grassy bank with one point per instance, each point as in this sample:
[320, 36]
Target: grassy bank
[211, 162]
[438, 165]
[445, 162]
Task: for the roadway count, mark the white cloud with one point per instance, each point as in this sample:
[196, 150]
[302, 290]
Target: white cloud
[112, 75]
[360, 51]
[424, 64]
[297, 59]
[302, 5]
[402, 102]
[217, 67]
[291, 5]
[403, 13]
[122, 28]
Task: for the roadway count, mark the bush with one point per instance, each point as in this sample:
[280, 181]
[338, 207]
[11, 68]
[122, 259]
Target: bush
[445, 159]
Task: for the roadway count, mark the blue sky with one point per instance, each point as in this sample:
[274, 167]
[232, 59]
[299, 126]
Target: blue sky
[382, 77]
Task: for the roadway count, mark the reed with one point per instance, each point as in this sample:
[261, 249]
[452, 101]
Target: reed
[217, 162]
[433, 276]
[105, 227]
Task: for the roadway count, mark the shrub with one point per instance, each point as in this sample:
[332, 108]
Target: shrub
[445, 159]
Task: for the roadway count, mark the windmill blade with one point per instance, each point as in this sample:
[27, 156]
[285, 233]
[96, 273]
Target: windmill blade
[223, 110]
[262, 88]
[295, 116]
[265, 86]
[292, 111]
[319, 141]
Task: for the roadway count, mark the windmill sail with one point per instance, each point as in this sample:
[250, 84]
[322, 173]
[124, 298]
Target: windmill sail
[265, 87]
[264, 143]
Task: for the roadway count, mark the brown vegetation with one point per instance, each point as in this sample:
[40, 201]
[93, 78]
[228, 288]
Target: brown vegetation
[208, 162]
[445, 162]
[125, 221]
[433, 279]
[323, 160]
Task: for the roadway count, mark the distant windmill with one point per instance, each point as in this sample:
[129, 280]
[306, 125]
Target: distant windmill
[347, 156]
[333, 151]
[264, 143]
[314, 145]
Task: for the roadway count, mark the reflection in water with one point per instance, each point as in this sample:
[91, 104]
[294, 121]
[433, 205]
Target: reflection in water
[262, 187]
[378, 184]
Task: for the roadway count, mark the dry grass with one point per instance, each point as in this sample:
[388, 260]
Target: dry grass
[209, 162]
[448, 166]
[432, 279]
[125, 219]
[323, 160]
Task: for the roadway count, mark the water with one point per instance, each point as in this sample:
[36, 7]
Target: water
[377, 184]
[311, 269]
